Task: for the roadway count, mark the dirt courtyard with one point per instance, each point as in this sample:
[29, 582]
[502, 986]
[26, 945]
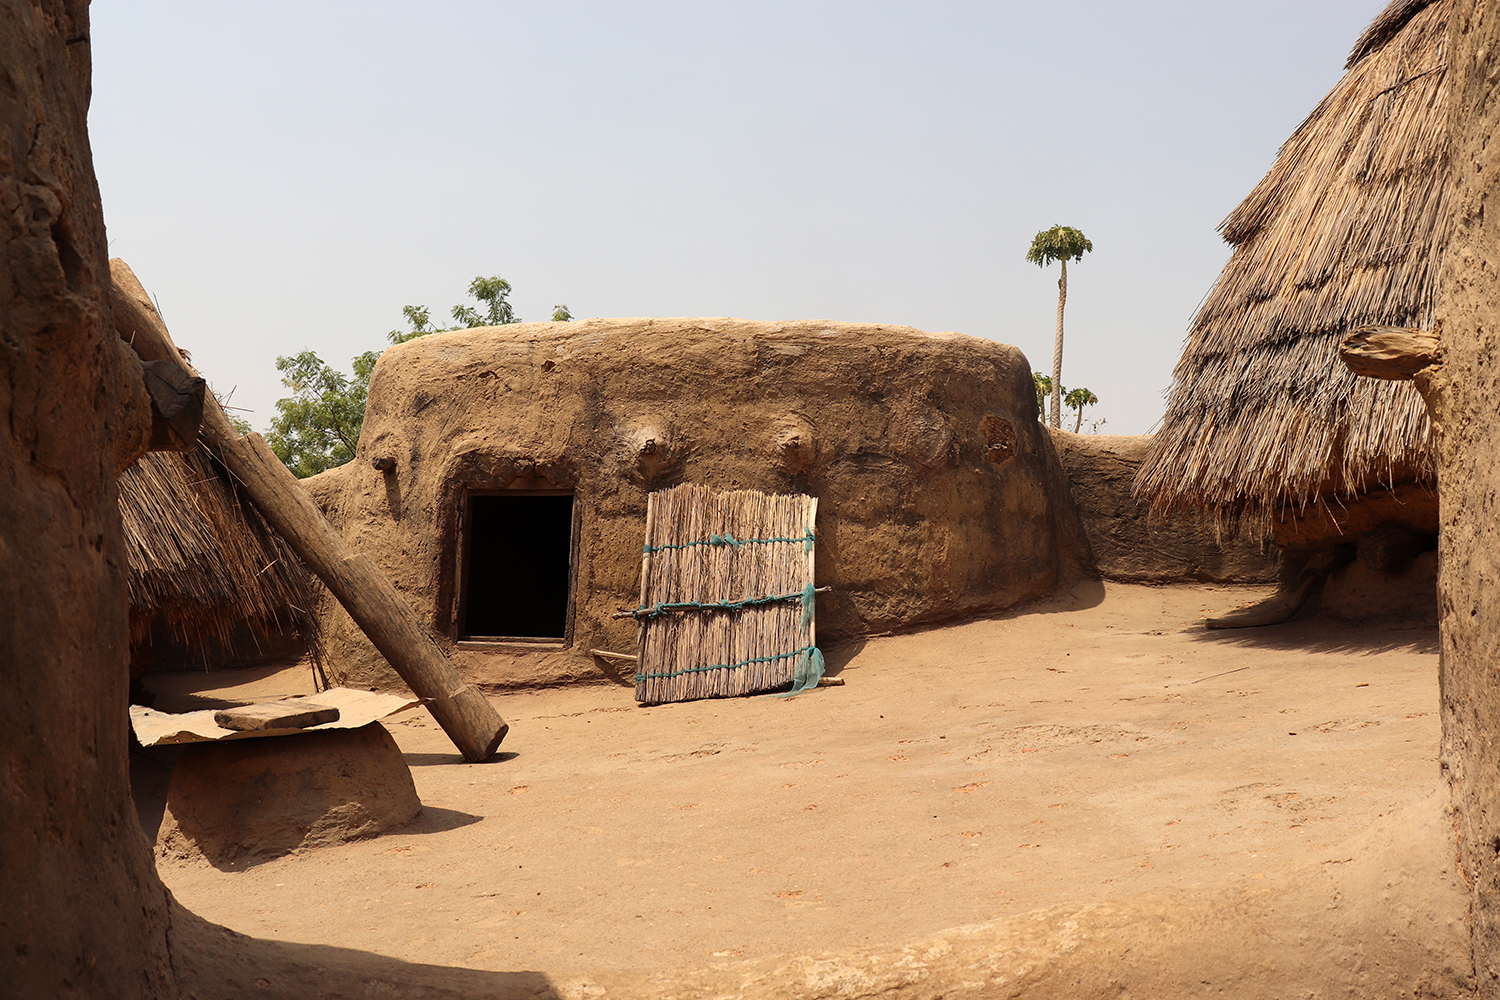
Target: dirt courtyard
[1099, 748]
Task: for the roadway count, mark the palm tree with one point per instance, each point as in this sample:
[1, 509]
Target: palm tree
[1077, 399]
[1062, 244]
[1043, 390]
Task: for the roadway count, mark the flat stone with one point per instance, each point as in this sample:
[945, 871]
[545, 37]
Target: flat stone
[289, 713]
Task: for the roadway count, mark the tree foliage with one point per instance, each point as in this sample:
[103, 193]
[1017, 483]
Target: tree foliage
[1062, 243]
[490, 293]
[1077, 399]
[1043, 390]
[1074, 399]
[317, 427]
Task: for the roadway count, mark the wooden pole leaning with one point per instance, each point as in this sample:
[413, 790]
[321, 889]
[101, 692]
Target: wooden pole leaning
[371, 600]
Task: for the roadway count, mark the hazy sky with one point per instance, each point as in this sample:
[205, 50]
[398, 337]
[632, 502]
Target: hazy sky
[284, 176]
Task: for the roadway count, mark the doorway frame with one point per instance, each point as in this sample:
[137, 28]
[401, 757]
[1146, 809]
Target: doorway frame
[461, 575]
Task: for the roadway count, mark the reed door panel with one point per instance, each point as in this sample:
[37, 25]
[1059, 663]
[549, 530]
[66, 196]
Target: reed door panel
[724, 577]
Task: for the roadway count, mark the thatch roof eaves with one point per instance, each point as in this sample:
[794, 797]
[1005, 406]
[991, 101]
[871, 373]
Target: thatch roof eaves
[203, 561]
[1346, 229]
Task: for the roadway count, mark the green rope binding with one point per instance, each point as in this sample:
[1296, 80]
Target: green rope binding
[807, 595]
[807, 538]
[803, 652]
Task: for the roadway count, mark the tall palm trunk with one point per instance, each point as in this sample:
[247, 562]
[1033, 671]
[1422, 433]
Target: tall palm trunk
[1062, 297]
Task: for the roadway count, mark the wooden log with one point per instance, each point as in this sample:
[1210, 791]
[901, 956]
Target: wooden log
[1389, 352]
[288, 713]
[389, 622]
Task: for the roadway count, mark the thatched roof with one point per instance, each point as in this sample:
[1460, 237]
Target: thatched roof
[1347, 229]
[201, 560]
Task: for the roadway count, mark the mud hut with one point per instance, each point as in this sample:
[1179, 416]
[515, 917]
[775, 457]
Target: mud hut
[209, 581]
[1265, 427]
[502, 474]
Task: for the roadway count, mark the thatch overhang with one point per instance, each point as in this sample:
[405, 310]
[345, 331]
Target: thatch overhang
[203, 562]
[1348, 228]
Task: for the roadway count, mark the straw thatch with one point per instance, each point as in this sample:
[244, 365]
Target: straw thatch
[202, 561]
[1347, 229]
[725, 600]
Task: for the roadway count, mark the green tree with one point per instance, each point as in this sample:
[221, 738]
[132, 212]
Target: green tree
[560, 314]
[317, 427]
[1062, 244]
[1043, 390]
[1077, 399]
[420, 319]
[490, 293]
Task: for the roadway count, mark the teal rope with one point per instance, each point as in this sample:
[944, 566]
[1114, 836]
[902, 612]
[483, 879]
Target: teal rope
[804, 651]
[806, 595]
[807, 538]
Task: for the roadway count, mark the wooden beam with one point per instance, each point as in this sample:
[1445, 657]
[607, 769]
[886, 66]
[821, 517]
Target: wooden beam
[1389, 352]
[371, 600]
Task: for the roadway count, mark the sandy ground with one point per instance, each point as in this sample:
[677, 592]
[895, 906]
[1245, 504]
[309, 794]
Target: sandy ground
[1101, 747]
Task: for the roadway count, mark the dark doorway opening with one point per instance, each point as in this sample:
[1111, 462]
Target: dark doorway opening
[517, 566]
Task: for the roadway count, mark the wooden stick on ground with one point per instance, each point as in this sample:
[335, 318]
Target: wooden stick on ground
[468, 719]
[607, 655]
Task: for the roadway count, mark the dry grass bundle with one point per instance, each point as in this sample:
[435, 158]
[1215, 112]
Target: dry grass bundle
[708, 548]
[203, 561]
[1347, 229]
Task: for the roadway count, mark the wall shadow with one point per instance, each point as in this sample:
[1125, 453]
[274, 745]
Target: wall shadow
[836, 658]
[216, 963]
[432, 819]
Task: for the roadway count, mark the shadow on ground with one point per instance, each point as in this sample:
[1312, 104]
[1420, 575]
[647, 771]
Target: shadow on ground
[1320, 635]
[431, 759]
[1082, 596]
[215, 963]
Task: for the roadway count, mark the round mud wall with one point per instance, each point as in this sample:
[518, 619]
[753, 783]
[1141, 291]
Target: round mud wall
[940, 496]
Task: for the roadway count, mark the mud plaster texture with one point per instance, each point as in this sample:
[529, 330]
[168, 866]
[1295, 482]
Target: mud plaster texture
[1463, 393]
[1131, 546]
[83, 912]
[940, 496]
[250, 800]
